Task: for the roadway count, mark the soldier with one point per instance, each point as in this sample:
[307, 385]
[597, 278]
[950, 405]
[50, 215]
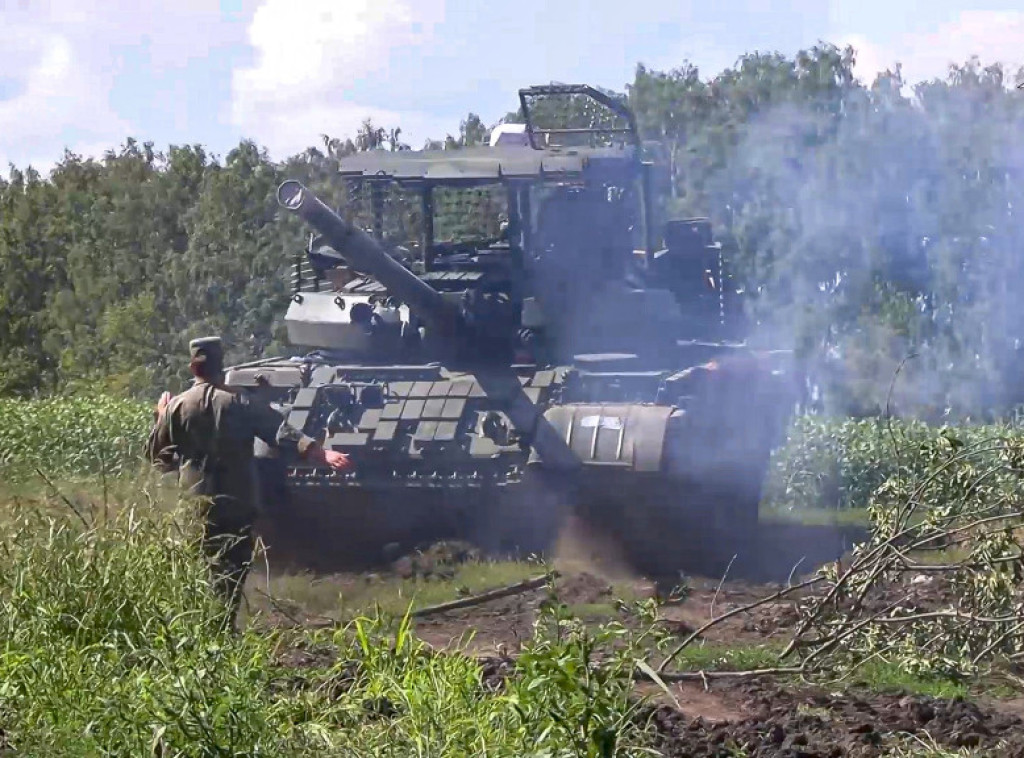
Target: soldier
[207, 433]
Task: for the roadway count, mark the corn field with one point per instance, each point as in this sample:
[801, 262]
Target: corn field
[71, 436]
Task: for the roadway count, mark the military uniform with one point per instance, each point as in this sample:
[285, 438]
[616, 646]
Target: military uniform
[207, 434]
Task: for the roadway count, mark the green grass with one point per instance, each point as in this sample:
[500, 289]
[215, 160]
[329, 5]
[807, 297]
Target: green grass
[111, 643]
[345, 597]
[885, 677]
[815, 516]
[876, 676]
[722, 657]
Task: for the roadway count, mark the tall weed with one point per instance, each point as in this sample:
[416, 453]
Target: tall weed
[113, 643]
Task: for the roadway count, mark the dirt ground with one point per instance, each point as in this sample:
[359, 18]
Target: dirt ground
[593, 575]
[762, 717]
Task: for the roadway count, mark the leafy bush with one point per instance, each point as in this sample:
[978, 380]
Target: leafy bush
[838, 464]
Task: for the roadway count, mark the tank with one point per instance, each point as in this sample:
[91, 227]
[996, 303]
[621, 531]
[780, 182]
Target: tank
[497, 342]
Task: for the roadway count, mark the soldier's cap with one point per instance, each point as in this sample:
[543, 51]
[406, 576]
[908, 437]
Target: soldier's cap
[207, 350]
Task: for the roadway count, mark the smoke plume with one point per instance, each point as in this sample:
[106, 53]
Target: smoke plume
[874, 226]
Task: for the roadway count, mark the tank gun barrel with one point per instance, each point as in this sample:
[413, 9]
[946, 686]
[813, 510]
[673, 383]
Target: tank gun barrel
[366, 254]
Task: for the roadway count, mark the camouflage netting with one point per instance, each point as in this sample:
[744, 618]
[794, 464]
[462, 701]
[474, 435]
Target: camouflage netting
[459, 213]
[472, 213]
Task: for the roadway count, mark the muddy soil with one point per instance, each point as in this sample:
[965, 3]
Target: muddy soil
[767, 719]
[500, 627]
[438, 561]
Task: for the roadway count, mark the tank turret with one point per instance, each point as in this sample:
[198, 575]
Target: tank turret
[364, 253]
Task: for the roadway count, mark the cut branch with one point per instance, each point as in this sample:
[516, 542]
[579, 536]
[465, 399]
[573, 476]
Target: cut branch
[485, 597]
[701, 676]
[735, 612]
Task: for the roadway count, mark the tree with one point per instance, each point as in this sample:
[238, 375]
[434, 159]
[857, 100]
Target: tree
[370, 136]
[863, 225]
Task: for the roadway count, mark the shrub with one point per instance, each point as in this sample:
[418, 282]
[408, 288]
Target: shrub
[839, 464]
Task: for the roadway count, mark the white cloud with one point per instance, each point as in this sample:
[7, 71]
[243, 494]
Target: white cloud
[61, 60]
[306, 62]
[871, 59]
[993, 36]
[322, 66]
[58, 102]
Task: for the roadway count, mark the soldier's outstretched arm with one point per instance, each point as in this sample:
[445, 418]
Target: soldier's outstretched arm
[274, 429]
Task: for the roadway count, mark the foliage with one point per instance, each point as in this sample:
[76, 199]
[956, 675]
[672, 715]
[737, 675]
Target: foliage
[840, 464]
[863, 227]
[71, 436]
[934, 590]
[588, 707]
[114, 644]
[932, 594]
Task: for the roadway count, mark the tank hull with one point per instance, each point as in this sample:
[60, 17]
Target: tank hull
[671, 463]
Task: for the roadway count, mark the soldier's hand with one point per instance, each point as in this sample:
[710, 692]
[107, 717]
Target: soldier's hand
[162, 403]
[334, 459]
[337, 461]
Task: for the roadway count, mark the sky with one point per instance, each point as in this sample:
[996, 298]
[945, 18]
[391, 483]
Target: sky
[84, 75]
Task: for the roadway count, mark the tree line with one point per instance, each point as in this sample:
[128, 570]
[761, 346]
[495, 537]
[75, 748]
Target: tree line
[874, 228]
